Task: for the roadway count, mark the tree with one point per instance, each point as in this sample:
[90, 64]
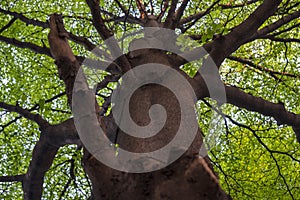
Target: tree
[254, 46]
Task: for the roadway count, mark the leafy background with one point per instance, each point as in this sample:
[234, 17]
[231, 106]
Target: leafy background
[255, 158]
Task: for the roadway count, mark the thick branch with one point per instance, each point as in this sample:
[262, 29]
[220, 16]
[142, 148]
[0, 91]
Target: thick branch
[52, 138]
[277, 39]
[179, 13]
[224, 46]
[170, 17]
[25, 113]
[272, 27]
[241, 99]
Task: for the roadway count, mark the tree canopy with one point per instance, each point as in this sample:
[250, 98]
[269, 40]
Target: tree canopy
[254, 43]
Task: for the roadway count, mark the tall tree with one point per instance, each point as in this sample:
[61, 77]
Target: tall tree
[46, 47]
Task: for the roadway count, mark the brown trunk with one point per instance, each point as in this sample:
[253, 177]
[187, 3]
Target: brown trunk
[189, 177]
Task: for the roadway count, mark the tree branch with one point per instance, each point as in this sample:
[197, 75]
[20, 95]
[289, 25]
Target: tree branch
[25, 19]
[8, 25]
[272, 27]
[170, 17]
[179, 14]
[241, 99]
[52, 138]
[194, 18]
[229, 43]
[77, 39]
[105, 34]
[25, 113]
[16, 178]
[276, 39]
[142, 9]
[271, 72]
[163, 8]
[33, 47]
[31, 109]
[121, 6]
[223, 46]
[230, 6]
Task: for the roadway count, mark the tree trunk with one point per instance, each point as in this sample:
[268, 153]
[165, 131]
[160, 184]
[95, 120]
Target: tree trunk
[189, 177]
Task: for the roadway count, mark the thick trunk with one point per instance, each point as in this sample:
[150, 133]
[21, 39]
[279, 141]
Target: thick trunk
[189, 177]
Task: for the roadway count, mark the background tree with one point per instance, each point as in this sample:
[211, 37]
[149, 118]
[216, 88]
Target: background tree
[254, 44]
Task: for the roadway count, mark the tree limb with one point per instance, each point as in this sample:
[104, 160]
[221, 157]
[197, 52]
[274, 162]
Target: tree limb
[8, 25]
[105, 34]
[25, 113]
[16, 178]
[33, 47]
[163, 8]
[121, 6]
[230, 6]
[241, 99]
[25, 19]
[31, 109]
[277, 39]
[272, 27]
[194, 18]
[179, 13]
[169, 20]
[142, 9]
[52, 138]
[271, 72]
[224, 46]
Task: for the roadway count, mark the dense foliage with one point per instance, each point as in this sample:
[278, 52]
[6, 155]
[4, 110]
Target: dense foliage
[256, 158]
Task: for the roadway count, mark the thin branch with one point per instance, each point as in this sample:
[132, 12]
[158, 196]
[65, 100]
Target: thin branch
[89, 45]
[26, 45]
[25, 19]
[297, 25]
[230, 6]
[16, 178]
[277, 39]
[32, 109]
[222, 47]
[25, 113]
[77, 39]
[8, 25]
[163, 8]
[195, 17]
[105, 34]
[262, 143]
[271, 72]
[142, 9]
[121, 6]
